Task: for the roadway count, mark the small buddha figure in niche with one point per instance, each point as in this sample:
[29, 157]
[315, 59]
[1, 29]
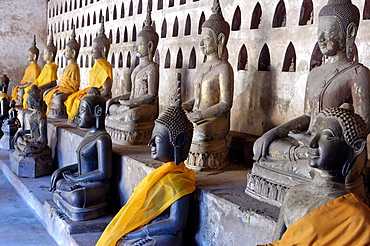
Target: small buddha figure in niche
[156, 212]
[48, 76]
[81, 190]
[209, 110]
[141, 105]
[9, 127]
[100, 75]
[30, 74]
[69, 82]
[322, 211]
[340, 80]
[4, 98]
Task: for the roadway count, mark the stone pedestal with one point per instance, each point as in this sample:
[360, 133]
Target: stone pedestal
[129, 133]
[32, 166]
[57, 111]
[6, 141]
[204, 155]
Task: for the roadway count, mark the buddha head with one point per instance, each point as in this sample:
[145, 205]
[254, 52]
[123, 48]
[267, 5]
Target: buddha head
[101, 44]
[4, 83]
[91, 110]
[73, 47]
[337, 29]
[50, 50]
[215, 32]
[172, 134]
[33, 52]
[339, 137]
[34, 98]
[147, 39]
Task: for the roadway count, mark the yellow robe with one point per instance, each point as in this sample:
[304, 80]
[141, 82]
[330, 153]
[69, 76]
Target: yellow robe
[30, 74]
[47, 75]
[98, 75]
[342, 221]
[155, 193]
[69, 83]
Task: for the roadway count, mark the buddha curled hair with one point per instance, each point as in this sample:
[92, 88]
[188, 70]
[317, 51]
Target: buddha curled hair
[34, 49]
[344, 10]
[148, 32]
[354, 127]
[72, 43]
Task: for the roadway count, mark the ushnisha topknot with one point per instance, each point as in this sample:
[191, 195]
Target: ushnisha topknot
[148, 32]
[34, 49]
[102, 39]
[50, 46]
[175, 120]
[72, 43]
[354, 127]
[344, 10]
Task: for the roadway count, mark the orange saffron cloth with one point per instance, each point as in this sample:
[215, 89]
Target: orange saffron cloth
[69, 83]
[342, 221]
[30, 74]
[156, 192]
[47, 75]
[97, 76]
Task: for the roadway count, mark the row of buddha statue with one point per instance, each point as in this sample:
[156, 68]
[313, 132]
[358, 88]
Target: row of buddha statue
[320, 154]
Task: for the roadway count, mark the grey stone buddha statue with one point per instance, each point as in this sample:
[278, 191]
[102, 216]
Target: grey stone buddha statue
[9, 128]
[281, 153]
[209, 110]
[81, 190]
[131, 116]
[4, 98]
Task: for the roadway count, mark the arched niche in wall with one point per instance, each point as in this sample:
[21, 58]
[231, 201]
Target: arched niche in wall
[53, 13]
[61, 9]
[122, 10]
[131, 9]
[114, 12]
[164, 28]
[366, 13]
[57, 61]
[306, 15]
[94, 18]
[202, 19]
[125, 35]
[171, 3]
[179, 59]
[49, 13]
[280, 15]
[91, 40]
[88, 20]
[62, 26]
[192, 59]
[118, 36]
[243, 58]
[65, 7]
[256, 16]
[81, 62]
[235, 26]
[290, 60]
[160, 4]
[140, 7]
[75, 5]
[87, 61]
[182, 2]
[316, 57]
[264, 62]
[154, 27]
[80, 3]
[92, 61]
[83, 21]
[156, 58]
[67, 25]
[72, 24]
[79, 40]
[167, 61]
[187, 26]
[58, 26]
[150, 5]
[113, 61]
[110, 37]
[133, 33]
[120, 60]
[137, 60]
[107, 14]
[101, 17]
[175, 31]
[128, 60]
[85, 41]
[70, 5]
[56, 10]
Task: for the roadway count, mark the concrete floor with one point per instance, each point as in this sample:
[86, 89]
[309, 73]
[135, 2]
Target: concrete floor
[18, 224]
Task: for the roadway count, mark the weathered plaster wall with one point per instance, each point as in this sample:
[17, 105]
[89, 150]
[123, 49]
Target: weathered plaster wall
[19, 21]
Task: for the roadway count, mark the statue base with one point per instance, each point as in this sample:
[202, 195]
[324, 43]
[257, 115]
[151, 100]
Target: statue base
[80, 214]
[57, 112]
[32, 166]
[205, 155]
[129, 133]
[268, 184]
[6, 141]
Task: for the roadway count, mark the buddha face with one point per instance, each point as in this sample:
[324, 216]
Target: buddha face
[68, 53]
[141, 47]
[47, 56]
[84, 116]
[331, 38]
[96, 51]
[328, 148]
[162, 149]
[208, 44]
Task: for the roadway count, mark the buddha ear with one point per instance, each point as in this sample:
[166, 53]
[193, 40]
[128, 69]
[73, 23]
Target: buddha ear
[358, 147]
[221, 38]
[98, 110]
[351, 33]
[104, 52]
[34, 57]
[74, 53]
[180, 140]
[150, 50]
[221, 46]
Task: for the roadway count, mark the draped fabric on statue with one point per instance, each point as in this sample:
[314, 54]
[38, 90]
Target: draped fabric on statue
[98, 75]
[30, 75]
[47, 75]
[69, 83]
[156, 192]
[342, 221]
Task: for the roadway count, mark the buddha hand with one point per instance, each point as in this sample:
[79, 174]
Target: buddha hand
[262, 144]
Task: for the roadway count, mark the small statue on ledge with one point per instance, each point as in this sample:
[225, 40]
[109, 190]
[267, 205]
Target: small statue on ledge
[31, 146]
[4, 98]
[323, 211]
[81, 190]
[210, 109]
[9, 128]
[131, 116]
[156, 212]
[30, 74]
[69, 82]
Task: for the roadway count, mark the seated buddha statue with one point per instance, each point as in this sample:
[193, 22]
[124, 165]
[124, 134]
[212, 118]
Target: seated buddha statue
[30, 74]
[281, 152]
[4, 98]
[156, 212]
[100, 75]
[9, 127]
[81, 190]
[323, 212]
[69, 82]
[209, 110]
[133, 114]
[48, 76]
